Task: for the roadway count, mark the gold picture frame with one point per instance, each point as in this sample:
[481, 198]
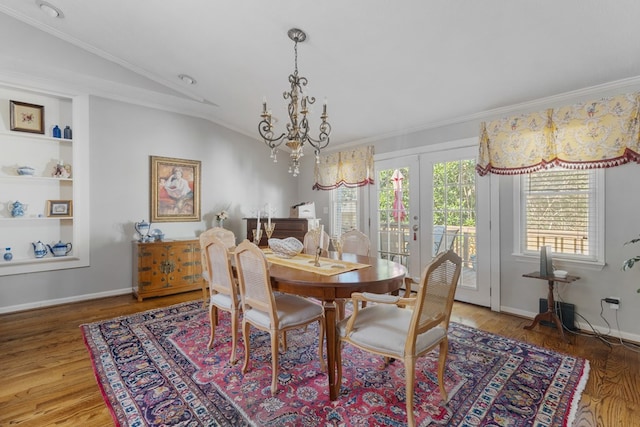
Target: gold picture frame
[175, 189]
[60, 208]
[26, 117]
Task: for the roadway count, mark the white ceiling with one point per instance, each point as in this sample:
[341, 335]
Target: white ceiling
[386, 67]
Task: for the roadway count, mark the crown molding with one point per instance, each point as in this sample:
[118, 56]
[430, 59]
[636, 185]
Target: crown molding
[546, 102]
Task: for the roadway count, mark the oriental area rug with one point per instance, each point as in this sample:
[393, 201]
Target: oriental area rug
[154, 368]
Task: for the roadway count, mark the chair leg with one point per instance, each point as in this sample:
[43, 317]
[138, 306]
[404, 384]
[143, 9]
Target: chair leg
[442, 365]
[205, 299]
[274, 361]
[213, 321]
[410, 374]
[234, 336]
[245, 336]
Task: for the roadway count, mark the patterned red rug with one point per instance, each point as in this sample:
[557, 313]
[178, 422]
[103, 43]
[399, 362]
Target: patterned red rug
[154, 369]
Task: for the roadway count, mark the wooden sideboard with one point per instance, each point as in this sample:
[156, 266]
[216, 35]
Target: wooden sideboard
[285, 227]
[167, 267]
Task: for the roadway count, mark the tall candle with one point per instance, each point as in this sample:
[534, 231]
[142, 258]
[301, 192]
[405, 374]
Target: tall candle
[322, 237]
[269, 215]
[258, 225]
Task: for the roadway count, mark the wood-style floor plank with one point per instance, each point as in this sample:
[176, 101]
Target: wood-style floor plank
[47, 378]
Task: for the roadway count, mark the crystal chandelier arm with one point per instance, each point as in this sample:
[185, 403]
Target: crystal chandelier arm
[325, 131]
[266, 132]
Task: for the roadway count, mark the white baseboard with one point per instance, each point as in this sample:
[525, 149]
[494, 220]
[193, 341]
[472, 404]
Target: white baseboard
[583, 326]
[76, 298]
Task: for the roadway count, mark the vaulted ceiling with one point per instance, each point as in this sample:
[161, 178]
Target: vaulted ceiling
[386, 67]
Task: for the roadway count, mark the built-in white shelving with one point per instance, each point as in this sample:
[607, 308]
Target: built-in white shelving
[38, 191]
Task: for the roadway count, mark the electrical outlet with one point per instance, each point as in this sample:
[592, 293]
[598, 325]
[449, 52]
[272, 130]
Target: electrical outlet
[614, 302]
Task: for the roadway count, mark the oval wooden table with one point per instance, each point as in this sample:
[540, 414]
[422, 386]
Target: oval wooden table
[382, 276]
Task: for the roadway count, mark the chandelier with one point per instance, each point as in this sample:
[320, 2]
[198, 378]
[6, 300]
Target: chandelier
[297, 130]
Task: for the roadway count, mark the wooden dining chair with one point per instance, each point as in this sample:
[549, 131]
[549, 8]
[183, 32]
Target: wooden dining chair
[311, 242]
[228, 238]
[394, 332]
[355, 242]
[222, 287]
[273, 313]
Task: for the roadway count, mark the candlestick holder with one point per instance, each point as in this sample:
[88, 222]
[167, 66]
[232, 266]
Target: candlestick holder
[257, 236]
[269, 229]
[316, 261]
[337, 245]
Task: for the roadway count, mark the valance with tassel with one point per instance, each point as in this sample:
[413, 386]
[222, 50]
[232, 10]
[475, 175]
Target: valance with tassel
[352, 168]
[587, 135]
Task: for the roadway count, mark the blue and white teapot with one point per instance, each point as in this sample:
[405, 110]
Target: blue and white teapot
[60, 249]
[142, 228]
[39, 249]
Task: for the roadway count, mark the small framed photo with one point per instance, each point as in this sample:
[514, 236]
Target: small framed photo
[26, 117]
[59, 208]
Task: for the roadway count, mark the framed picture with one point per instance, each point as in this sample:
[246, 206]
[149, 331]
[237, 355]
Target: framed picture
[26, 117]
[175, 189]
[59, 208]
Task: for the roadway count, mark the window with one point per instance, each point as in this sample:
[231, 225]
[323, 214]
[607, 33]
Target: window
[344, 213]
[563, 209]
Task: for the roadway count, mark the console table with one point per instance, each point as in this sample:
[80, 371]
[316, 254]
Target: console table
[550, 315]
[166, 267]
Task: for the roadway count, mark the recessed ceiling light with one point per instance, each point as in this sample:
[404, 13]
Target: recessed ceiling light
[187, 79]
[49, 9]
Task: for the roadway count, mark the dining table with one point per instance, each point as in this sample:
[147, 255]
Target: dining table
[375, 275]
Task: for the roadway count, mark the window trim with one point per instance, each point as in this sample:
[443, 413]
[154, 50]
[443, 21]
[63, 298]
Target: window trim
[562, 260]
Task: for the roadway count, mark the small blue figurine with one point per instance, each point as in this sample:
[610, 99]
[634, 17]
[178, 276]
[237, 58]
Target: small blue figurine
[17, 209]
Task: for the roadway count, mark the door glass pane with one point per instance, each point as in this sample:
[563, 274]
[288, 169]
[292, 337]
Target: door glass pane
[393, 214]
[454, 214]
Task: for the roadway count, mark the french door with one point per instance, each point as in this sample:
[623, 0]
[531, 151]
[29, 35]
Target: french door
[441, 204]
[459, 209]
[395, 212]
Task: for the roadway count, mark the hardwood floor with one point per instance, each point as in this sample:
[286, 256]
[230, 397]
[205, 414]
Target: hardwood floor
[47, 378]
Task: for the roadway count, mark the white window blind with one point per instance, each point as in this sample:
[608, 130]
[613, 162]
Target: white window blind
[345, 210]
[559, 209]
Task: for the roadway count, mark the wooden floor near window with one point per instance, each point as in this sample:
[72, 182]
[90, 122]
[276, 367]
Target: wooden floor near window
[46, 376]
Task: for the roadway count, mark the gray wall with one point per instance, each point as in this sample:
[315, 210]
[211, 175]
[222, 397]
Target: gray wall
[236, 175]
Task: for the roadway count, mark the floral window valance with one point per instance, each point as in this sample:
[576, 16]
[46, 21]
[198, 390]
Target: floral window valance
[588, 135]
[353, 168]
